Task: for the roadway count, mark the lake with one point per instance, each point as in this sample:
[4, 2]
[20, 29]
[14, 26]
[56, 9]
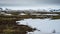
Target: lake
[43, 26]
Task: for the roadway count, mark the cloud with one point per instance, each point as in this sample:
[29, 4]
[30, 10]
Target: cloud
[28, 2]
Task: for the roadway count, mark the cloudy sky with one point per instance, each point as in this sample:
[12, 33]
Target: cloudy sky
[30, 3]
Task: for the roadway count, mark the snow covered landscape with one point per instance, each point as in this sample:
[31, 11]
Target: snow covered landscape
[43, 26]
[29, 16]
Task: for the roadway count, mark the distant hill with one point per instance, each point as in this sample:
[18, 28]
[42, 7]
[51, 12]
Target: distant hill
[55, 10]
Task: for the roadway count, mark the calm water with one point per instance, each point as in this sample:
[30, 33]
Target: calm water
[46, 26]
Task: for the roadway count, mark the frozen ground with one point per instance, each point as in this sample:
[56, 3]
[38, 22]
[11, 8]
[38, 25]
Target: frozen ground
[38, 32]
[46, 26]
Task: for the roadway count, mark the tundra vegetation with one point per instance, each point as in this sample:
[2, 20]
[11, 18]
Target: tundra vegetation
[8, 20]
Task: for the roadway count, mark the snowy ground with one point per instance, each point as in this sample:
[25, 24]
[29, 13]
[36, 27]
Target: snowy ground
[46, 26]
[38, 32]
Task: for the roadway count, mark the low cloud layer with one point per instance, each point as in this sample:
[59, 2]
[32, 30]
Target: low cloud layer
[28, 2]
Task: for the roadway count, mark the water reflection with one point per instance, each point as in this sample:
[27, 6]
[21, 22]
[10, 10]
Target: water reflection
[46, 26]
